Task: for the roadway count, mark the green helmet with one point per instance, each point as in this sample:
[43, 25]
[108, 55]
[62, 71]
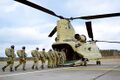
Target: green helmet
[43, 49]
[12, 46]
[37, 48]
[23, 47]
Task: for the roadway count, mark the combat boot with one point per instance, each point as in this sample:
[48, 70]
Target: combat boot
[3, 69]
[36, 68]
[11, 70]
[33, 67]
[24, 69]
[42, 67]
[15, 68]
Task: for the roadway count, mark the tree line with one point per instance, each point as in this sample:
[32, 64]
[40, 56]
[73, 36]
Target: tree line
[105, 53]
[110, 52]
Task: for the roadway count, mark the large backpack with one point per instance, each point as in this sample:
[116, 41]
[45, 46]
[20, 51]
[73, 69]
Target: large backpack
[8, 52]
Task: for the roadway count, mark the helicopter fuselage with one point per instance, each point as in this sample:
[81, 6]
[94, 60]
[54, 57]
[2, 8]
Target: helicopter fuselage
[74, 49]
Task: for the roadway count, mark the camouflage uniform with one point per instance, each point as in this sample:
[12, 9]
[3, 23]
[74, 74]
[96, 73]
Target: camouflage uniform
[57, 58]
[10, 60]
[54, 59]
[50, 59]
[62, 57]
[22, 58]
[35, 55]
[44, 58]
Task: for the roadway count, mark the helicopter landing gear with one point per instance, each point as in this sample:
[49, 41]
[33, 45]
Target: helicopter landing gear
[84, 62]
[98, 62]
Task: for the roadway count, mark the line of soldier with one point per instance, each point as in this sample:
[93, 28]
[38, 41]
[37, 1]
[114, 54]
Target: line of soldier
[54, 58]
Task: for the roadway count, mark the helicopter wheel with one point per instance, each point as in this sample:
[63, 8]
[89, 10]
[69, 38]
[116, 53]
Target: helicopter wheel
[98, 62]
[85, 63]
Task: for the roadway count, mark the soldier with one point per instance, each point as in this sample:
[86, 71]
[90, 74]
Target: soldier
[60, 58]
[50, 59]
[43, 58]
[57, 58]
[54, 59]
[22, 58]
[35, 55]
[11, 55]
[63, 57]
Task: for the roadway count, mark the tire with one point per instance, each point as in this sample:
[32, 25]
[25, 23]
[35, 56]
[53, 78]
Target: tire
[98, 62]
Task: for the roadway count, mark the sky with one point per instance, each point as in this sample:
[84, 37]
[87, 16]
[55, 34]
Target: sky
[21, 25]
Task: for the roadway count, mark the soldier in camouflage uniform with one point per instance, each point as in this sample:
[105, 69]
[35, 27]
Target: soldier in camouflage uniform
[50, 58]
[35, 55]
[54, 59]
[10, 60]
[44, 58]
[63, 57]
[22, 58]
[57, 58]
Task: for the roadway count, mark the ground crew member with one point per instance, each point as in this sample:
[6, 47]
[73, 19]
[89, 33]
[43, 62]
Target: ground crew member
[11, 56]
[35, 55]
[43, 58]
[50, 59]
[22, 58]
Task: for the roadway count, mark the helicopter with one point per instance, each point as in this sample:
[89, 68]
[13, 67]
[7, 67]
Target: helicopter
[75, 46]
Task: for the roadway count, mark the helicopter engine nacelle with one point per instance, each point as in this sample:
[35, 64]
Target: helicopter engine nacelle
[81, 38]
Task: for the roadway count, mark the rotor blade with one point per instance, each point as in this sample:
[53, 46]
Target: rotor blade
[109, 41]
[53, 32]
[38, 7]
[89, 29]
[97, 16]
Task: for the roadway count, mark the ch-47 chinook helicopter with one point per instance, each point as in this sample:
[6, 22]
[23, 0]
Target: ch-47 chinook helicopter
[75, 46]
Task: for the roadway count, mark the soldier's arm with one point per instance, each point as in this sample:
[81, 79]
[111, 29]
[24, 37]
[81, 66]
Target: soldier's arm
[46, 55]
[25, 55]
[40, 55]
[18, 53]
